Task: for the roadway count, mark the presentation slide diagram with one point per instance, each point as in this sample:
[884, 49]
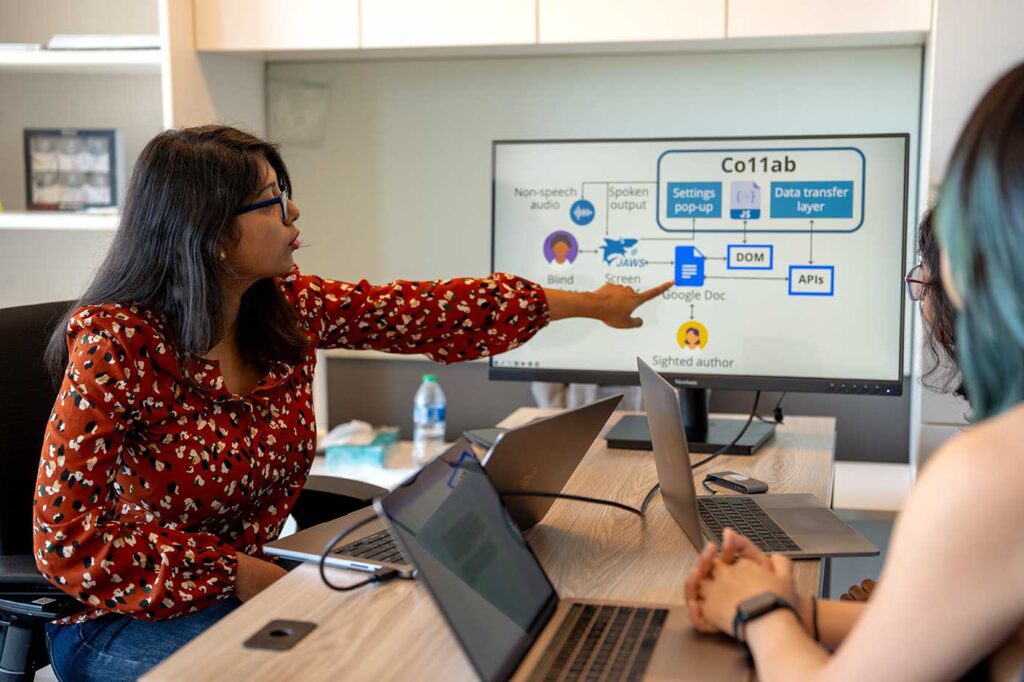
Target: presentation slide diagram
[804, 185]
[786, 255]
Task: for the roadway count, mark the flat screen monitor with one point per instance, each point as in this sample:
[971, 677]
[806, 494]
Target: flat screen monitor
[786, 255]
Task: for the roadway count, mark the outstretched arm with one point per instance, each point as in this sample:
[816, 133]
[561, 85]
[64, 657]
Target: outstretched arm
[448, 320]
[612, 304]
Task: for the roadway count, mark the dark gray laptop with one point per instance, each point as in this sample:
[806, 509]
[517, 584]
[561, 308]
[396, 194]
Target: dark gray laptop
[503, 609]
[797, 525]
[539, 456]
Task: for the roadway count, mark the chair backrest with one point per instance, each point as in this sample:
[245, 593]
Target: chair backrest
[27, 394]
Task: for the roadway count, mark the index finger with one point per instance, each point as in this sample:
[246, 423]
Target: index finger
[654, 292]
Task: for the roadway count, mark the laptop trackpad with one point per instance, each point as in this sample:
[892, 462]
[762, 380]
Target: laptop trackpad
[811, 520]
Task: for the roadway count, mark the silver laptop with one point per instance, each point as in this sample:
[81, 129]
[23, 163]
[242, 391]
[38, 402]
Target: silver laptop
[503, 609]
[539, 456]
[797, 525]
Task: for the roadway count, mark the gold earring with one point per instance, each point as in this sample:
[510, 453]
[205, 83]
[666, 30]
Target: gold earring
[221, 256]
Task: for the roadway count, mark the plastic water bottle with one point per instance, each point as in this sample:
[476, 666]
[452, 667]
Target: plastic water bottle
[428, 416]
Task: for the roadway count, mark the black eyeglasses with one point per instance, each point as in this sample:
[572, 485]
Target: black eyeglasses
[917, 286]
[281, 199]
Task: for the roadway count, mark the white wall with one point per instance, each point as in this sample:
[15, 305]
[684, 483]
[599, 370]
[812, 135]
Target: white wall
[35, 21]
[974, 43]
[396, 180]
[51, 265]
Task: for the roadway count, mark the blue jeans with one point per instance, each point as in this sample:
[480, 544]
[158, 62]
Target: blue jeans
[115, 647]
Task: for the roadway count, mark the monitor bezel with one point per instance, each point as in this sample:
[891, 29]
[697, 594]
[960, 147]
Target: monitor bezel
[885, 387]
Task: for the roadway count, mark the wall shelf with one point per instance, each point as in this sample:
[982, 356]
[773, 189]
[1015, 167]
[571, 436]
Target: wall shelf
[81, 61]
[57, 220]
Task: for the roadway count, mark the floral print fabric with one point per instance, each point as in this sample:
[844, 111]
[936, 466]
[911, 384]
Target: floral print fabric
[153, 475]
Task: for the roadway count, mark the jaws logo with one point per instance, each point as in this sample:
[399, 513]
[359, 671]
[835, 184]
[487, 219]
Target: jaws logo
[621, 253]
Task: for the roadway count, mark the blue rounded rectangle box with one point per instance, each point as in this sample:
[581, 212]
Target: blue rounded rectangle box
[812, 280]
[694, 200]
[812, 199]
[750, 257]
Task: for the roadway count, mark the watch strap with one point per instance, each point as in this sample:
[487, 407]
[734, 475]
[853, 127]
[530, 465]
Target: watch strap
[753, 608]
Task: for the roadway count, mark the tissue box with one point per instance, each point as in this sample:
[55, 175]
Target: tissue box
[371, 454]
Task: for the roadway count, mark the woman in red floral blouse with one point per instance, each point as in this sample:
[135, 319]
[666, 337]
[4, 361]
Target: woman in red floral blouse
[183, 430]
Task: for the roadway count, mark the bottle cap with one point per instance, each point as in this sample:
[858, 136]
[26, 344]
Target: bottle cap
[430, 378]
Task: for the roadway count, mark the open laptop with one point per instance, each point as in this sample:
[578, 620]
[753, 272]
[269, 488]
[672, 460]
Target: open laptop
[503, 609]
[539, 456]
[797, 525]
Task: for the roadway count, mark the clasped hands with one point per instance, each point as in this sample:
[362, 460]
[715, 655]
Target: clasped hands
[722, 580]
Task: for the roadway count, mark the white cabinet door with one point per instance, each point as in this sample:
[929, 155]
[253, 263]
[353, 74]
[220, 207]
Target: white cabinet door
[759, 18]
[585, 21]
[267, 25]
[427, 23]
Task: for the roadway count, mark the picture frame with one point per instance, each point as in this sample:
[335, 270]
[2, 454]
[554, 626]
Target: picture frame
[71, 169]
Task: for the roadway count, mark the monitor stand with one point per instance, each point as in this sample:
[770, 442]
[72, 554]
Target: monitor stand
[703, 434]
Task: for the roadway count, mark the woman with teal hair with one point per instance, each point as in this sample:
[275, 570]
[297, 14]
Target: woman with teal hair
[952, 589]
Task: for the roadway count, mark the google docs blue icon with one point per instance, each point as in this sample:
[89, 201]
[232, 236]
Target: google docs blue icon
[689, 267]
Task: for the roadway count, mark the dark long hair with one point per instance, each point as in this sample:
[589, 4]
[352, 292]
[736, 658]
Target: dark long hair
[980, 223]
[942, 372]
[179, 209]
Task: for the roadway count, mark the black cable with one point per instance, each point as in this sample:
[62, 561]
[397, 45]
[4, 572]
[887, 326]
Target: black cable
[379, 576]
[647, 498]
[386, 574]
[566, 496]
[722, 450]
[777, 415]
[708, 487]
[777, 412]
[725, 448]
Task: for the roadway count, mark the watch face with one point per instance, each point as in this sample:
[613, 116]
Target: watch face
[757, 604]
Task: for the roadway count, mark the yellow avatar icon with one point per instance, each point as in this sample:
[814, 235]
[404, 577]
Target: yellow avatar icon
[692, 335]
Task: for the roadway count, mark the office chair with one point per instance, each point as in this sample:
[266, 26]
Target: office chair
[27, 394]
[27, 600]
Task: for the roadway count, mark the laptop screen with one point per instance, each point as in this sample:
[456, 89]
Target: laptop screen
[474, 561]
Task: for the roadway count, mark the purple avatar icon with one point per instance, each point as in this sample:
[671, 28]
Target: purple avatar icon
[561, 249]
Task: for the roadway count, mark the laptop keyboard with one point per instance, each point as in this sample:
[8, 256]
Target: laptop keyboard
[602, 642]
[379, 547]
[744, 516]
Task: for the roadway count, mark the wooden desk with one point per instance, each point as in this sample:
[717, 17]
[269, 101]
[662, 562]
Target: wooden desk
[394, 631]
